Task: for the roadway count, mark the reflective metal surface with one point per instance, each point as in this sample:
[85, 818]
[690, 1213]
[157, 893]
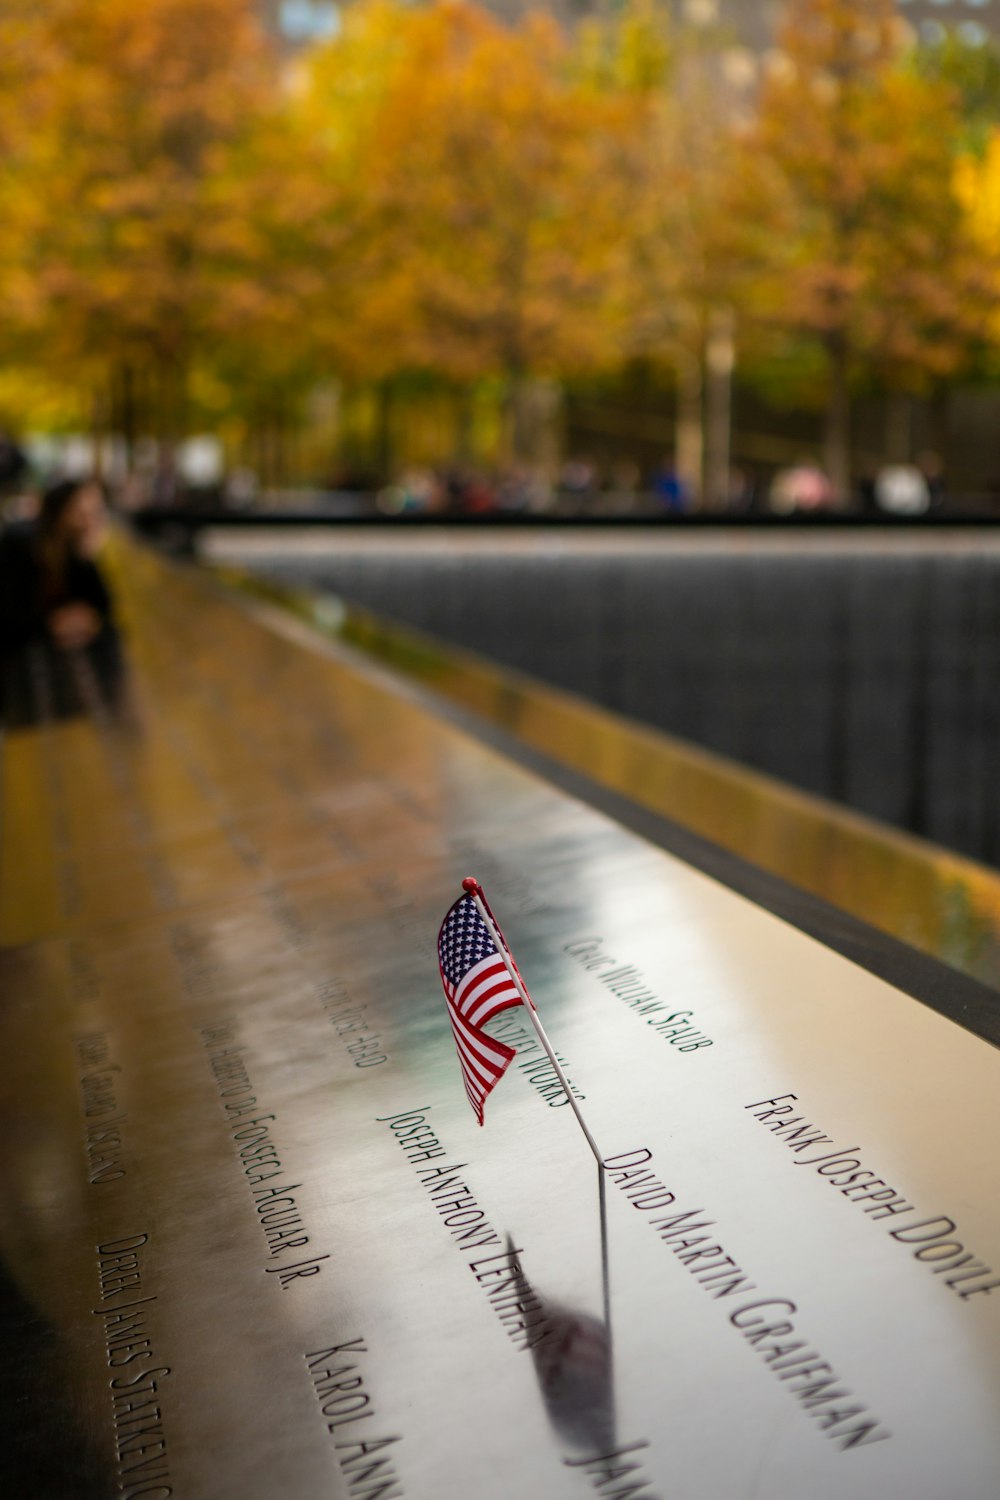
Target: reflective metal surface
[928, 896]
[255, 1245]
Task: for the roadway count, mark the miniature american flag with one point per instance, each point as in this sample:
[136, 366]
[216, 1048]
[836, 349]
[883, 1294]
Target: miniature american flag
[477, 986]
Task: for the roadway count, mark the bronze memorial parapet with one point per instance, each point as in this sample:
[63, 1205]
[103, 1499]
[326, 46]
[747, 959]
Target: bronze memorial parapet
[255, 1245]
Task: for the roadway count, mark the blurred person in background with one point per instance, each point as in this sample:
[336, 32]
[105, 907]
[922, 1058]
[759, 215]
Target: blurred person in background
[13, 469]
[902, 490]
[931, 466]
[60, 651]
[801, 490]
[668, 488]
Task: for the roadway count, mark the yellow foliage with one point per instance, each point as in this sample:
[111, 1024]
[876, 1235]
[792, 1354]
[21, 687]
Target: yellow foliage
[873, 254]
[113, 133]
[474, 158]
[436, 192]
[977, 187]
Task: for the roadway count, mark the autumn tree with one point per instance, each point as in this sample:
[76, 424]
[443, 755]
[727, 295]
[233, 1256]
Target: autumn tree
[695, 229]
[972, 70]
[873, 260]
[107, 224]
[476, 163]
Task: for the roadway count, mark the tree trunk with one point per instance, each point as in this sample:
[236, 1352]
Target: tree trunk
[899, 427]
[279, 451]
[534, 424]
[98, 431]
[719, 362]
[517, 420]
[464, 424]
[837, 441]
[690, 432]
[127, 425]
[938, 417]
[384, 446]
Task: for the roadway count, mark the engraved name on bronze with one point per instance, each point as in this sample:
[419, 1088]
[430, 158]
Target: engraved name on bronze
[136, 1381]
[103, 1117]
[616, 1475]
[764, 1322]
[350, 1023]
[366, 1461]
[518, 1308]
[629, 985]
[533, 1062]
[934, 1238]
[277, 1210]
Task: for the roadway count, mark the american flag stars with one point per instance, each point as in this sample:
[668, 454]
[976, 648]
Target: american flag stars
[477, 987]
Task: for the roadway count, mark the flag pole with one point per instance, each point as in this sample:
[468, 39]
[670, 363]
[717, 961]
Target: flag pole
[475, 890]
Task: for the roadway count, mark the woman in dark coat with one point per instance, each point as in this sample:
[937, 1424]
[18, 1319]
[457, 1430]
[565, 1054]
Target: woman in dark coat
[59, 646]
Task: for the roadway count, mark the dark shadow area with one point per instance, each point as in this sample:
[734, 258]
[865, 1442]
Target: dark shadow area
[61, 1462]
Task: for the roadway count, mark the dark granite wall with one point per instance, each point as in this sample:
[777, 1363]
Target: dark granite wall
[871, 678]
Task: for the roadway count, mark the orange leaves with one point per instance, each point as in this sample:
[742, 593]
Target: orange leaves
[128, 103]
[861, 150]
[472, 156]
[439, 192]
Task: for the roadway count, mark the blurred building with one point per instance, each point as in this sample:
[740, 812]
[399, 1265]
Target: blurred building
[298, 22]
[754, 22]
[975, 21]
[748, 25]
[748, 28]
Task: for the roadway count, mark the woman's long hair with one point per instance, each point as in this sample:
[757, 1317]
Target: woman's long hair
[55, 542]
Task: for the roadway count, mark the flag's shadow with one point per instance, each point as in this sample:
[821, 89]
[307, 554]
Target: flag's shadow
[574, 1364]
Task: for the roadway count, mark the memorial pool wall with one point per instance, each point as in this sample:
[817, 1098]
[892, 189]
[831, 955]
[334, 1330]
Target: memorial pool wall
[864, 671]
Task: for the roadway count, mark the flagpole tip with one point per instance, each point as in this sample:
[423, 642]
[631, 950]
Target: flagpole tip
[472, 885]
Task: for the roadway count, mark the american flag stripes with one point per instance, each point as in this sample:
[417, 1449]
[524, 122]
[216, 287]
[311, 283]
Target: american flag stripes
[477, 986]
